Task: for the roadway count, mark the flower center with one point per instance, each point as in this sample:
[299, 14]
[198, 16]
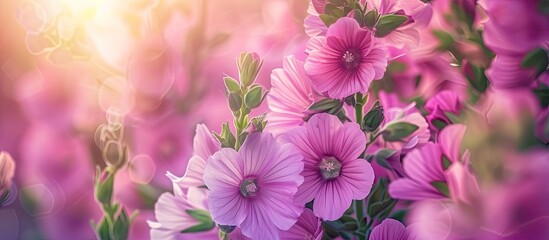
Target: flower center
[351, 59]
[329, 167]
[248, 187]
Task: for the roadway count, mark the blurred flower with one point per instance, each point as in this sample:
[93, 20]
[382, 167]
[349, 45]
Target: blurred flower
[7, 171]
[331, 151]
[254, 188]
[506, 72]
[426, 174]
[515, 26]
[390, 229]
[290, 96]
[440, 104]
[542, 126]
[346, 60]
[308, 226]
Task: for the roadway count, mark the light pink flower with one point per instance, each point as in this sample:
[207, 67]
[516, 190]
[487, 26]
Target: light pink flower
[172, 216]
[346, 60]
[205, 145]
[506, 72]
[334, 173]
[254, 188]
[7, 171]
[308, 226]
[290, 96]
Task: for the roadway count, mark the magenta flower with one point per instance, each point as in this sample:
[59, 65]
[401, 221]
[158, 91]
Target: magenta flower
[440, 104]
[308, 226]
[389, 229]
[334, 173]
[254, 188]
[290, 96]
[424, 167]
[346, 60]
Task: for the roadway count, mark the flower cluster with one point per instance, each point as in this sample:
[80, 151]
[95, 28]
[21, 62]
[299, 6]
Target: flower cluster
[388, 104]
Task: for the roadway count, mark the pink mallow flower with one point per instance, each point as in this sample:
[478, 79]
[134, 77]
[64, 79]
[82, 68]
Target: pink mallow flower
[254, 188]
[308, 226]
[346, 60]
[290, 96]
[424, 168]
[334, 173]
[440, 104]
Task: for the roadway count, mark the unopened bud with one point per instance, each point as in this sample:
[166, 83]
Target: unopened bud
[249, 65]
[373, 118]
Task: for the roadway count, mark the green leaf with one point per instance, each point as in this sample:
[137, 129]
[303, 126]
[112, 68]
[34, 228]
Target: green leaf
[370, 19]
[446, 162]
[104, 189]
[542, 92]
[325, 104]
[103, 231]
[231, 84]
[442, 187]
[388, 23]
[536, 59]
[254, 97]
[382, 155]
[327, 19]
[121, 226]
[338, 2]
[200, 215]
[376, 209]
[446, 41]
[398, 131]
[201, 227]
[333, 10]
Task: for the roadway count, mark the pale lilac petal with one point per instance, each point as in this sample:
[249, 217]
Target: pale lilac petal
[170, 212]
[450, 140]
[311, 185]
[321, 132]
[258, 224]
[194, 175]
[204, 143]
[424, 164]
[389, 229]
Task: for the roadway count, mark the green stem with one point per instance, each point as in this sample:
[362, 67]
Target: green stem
[240, 121]
[359, 205]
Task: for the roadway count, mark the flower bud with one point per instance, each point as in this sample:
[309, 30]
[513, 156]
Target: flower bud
[255, 97]
[7, 170]
[373, 118]
[249, 65]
